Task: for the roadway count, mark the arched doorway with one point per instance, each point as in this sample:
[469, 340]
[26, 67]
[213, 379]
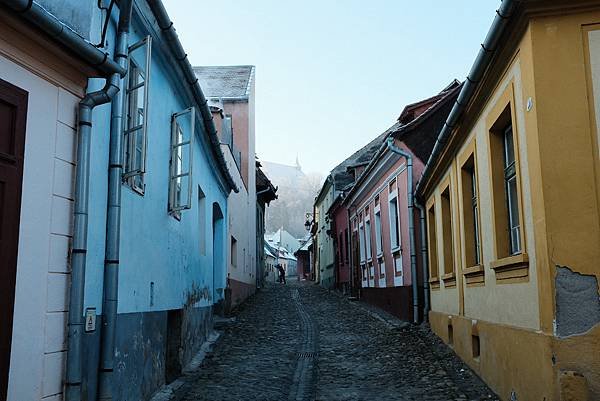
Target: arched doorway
[218, 253]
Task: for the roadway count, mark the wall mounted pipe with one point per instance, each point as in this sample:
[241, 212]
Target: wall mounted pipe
[79, 250]
[425, 261]
[480, 66]
[56, 30]
[113, 216]
[411, 224]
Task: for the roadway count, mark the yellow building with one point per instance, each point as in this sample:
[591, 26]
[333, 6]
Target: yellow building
[511, 197]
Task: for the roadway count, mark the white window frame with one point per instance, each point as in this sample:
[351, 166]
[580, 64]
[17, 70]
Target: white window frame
[134, 170]
[511, 192]
[361, 242]
[368, 239]
[176, 170]
[395, 233]
[378, 232]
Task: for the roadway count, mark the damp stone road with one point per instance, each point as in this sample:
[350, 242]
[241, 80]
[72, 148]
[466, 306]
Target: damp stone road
[301, 342]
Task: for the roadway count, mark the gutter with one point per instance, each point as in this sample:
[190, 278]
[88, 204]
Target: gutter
[424, 261]
[166, 26]
[411, 224]
[61, 33]
[113, 216]
[482, 62]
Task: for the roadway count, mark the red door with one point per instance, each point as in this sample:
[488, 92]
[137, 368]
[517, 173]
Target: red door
[13, 113]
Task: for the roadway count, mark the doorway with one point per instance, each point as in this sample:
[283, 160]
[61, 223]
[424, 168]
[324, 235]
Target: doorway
[13, 116]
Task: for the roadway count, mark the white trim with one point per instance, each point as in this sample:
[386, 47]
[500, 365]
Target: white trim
[383, 186]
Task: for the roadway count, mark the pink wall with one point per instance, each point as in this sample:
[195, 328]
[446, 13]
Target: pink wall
[368, 199]
[240, 124]
[343, 261]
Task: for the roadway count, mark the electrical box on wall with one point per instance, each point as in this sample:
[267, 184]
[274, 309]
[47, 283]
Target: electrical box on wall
[90, 320]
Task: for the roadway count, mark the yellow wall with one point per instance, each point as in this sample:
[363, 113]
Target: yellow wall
[503, 302]
[556, 71]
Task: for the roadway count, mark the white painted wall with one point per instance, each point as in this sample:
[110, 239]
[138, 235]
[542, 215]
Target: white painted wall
[40, 314]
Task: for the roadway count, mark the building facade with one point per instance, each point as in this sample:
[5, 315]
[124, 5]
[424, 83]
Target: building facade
[231, 90]
[383, 217]
[134, 243]
[41, 84]
[512, 207]
[265, 194]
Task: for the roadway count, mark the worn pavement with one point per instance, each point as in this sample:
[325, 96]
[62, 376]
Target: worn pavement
[300, 342]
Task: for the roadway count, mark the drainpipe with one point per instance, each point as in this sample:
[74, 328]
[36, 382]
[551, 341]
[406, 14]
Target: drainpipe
[480, 66]
[425, 262]
[80, 228]
[113, 216]
[411, 225]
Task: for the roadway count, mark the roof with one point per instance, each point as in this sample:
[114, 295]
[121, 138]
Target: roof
[232, 81]
[265, 190]
[341, 177]
[419, 133]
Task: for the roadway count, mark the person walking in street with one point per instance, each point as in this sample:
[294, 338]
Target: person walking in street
[281, 274]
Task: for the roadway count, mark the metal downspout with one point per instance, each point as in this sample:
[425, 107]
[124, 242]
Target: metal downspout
[480, 66]
[80, 228]
[424, 261]
[411, 226]
[113, 217]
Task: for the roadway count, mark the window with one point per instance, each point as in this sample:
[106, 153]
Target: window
[182, 138]
[361, 239]
[394, 223]
[432, 244]
[510, 186]
[378, 244]
[233, 252]
[505, 189]
[202, 220]
[447, 232]
[136, 114]
[368, 238]
[470, 212]
[347, 254]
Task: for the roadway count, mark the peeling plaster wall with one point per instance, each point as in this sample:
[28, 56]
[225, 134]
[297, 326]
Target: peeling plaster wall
[577, 302]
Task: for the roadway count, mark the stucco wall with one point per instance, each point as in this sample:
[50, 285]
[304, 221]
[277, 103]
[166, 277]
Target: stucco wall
[40, 309]
[155, 246]
[506, 302]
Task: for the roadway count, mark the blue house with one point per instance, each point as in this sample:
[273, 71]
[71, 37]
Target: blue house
[137, 232]
[173, 184]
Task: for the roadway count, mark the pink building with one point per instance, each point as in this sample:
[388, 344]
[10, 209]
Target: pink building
[381, 217]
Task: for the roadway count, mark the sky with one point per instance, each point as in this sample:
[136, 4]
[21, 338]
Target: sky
[333, 75]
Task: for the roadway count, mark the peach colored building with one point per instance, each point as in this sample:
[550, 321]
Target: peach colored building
[384, 222]
[230, 90]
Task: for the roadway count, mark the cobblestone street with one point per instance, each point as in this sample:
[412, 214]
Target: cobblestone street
[300, 342]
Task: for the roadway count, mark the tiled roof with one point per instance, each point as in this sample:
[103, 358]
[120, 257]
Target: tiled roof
[341, 176]
[232, 81]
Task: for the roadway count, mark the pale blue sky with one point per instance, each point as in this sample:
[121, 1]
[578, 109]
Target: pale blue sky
[332, 75]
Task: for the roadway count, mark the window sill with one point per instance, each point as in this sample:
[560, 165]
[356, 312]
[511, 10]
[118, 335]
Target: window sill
[449, 280]
[512, 267]
[474, 275]
[380, 256]
[396, 251]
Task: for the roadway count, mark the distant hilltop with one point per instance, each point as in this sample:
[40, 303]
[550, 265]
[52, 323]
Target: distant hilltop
[283, 174]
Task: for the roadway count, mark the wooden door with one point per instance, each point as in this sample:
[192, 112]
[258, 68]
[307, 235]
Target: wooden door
[13, 114]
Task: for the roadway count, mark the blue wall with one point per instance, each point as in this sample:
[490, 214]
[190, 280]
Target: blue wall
[155, 246]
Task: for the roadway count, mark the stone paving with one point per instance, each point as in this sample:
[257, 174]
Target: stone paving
[300, 342]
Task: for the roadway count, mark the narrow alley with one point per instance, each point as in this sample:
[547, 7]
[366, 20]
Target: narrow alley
[301, 342]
